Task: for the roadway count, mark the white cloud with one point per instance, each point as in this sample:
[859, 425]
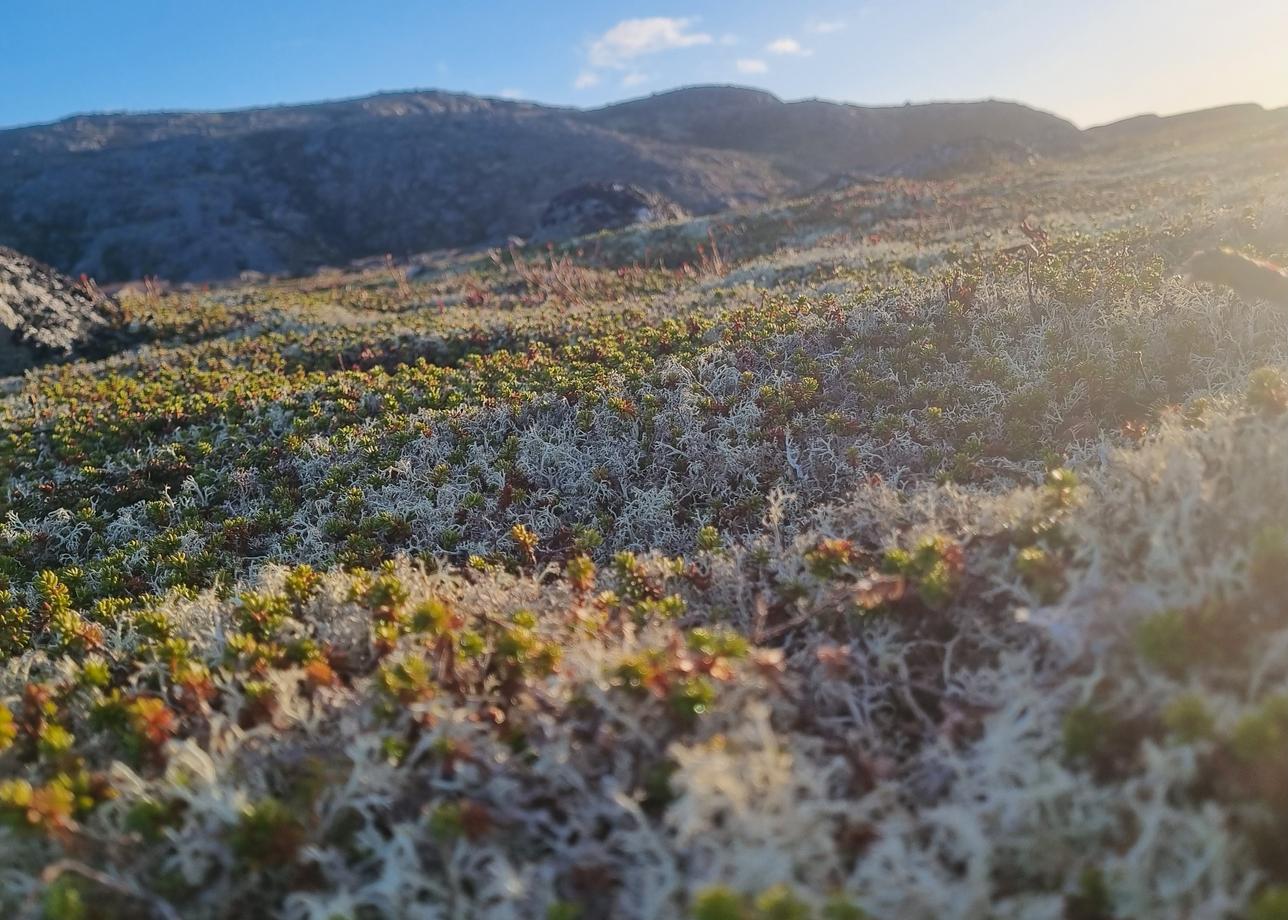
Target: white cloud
[785, 46]
[510, 93]
[751, 65]
[824, 26]
[633, 38]
[634, 78]
[585, 80]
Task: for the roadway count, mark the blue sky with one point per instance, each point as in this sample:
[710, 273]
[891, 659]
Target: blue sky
[1090, 60]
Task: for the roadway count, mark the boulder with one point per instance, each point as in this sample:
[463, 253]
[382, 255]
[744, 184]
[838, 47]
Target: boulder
[595, 206]
[1252, 278]
[46, 316]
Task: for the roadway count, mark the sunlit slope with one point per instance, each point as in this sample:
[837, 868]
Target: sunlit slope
[863, 556]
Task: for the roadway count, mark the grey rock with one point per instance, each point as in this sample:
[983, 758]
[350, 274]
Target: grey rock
[594, 206]
[46, 316]
[1252, 278]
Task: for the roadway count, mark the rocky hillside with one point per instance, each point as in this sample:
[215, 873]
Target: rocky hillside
[204, 196]
[207, 196]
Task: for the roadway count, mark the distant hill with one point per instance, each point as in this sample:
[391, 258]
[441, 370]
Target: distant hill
[205, 196]
[1189, 127]
[814, 137]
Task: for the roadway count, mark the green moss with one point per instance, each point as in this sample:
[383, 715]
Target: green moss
[1041, 571]
[692, 697]
[1262, 734]
[1188, 719]
[934, 567]
[779, 903]
[581, 573]
[55, 741]
[8, 730]
[1268, 563]
[718, 643]
[1086, 732]
[1164, 641]
[830, 557]
[1270, 904]
[839, 907]
[719, 903]
[1268, 391]
[65, 900]
[267, 833]
[708, 539]
[1092, 900]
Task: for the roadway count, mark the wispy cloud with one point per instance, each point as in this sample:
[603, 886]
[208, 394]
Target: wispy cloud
[635, 38]
[751, 65]
[786, 45]
[824, 26]
[585, 80]
[511, 93]
[634, 78]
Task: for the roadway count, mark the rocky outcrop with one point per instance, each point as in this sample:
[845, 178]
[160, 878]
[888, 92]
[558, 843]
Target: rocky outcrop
[595, 206]
[46, 316]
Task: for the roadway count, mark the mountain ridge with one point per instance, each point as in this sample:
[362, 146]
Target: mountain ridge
[206, 195]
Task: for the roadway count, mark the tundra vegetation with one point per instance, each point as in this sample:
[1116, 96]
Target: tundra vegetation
[915, 550]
